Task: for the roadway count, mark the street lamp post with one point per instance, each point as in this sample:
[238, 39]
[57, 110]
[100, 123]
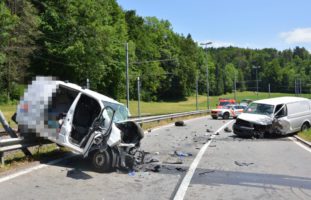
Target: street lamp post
[207, 82]
[127, 76]
[256, 67]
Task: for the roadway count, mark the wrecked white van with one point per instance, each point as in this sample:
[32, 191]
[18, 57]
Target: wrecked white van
[279, 116]
[85, 121]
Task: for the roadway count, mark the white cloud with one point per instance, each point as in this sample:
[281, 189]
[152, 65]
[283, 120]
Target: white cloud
[299, 35]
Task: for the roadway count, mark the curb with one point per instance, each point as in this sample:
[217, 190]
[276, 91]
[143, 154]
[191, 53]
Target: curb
[303, 141]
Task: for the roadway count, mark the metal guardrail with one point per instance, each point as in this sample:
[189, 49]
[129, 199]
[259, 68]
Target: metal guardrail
[168, 116]
[16, 143]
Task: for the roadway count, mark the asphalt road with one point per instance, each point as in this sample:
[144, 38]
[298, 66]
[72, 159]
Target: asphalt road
[230, 168]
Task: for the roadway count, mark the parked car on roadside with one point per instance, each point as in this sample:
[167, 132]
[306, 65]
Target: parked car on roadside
[224, 102]
[275, 116]
[227, 111]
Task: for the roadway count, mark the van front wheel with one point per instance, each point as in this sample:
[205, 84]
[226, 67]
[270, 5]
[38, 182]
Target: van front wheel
[101, 161]
[305, 126]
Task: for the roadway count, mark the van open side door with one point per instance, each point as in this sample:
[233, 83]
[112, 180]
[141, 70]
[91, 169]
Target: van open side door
[99, 132]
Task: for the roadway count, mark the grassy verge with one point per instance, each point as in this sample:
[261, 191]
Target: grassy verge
[43, 154]
[306, 135]
[8, 111]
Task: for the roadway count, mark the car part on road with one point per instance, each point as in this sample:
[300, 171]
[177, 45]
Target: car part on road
[227, 129]
[242, 163]
[182, 154]
[180, 123]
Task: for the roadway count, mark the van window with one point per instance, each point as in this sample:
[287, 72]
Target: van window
[121, 112]
[280, 111]
[259, 108]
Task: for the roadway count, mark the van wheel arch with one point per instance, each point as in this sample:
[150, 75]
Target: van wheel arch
[305, 126]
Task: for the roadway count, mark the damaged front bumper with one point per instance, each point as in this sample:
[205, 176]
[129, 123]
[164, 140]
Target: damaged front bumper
[244, 128]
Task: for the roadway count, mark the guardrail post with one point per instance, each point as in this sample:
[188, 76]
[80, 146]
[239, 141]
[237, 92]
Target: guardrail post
[11, 132]
[2, 158]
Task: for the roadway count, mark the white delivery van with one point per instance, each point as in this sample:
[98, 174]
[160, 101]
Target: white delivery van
[85, 121]
[280, 116]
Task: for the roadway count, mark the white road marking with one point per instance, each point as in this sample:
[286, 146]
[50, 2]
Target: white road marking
[26, 171]
[299, 144]
[180, 194]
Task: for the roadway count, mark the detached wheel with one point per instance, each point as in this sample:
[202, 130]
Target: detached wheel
[225, 115]
[305, 127]
[102, 161]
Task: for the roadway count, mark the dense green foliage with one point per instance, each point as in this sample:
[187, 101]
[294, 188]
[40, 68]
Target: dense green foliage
[79, 39]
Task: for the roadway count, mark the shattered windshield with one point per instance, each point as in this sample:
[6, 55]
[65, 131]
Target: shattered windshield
[258, 108]
[121, 112]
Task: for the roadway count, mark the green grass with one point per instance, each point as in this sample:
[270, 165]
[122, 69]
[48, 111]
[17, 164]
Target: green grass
[153, 108]
[150, 108]
[306, 135]
[8, 111]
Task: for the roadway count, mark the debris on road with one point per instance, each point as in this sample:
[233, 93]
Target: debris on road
[156, 153]
[242, 163]
[208, 130]
[153, 168]
[180, 123]
[206, 172]
[173, 161]
[228, 130]
[213, 145]
[180, 169]
[152, 160]
[131, 173]
[183, 154]
[217, 133]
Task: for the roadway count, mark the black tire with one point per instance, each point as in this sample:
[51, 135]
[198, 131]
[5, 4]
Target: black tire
[305, 126]
[225, 115]
[214, 117]
[102, 161]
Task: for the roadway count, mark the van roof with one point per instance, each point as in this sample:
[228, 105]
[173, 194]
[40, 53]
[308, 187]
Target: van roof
[281, 100]
[88, 92]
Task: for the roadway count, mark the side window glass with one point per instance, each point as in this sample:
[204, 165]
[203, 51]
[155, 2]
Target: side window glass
[280, 111]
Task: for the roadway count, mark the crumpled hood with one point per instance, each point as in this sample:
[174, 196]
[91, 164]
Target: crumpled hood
[255, 118]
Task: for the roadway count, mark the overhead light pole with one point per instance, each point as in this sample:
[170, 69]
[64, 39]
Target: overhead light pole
[256, 68]
[207, 82]
[127, 76]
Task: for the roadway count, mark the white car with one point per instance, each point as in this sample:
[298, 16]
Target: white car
[227, 111]
[88, 123]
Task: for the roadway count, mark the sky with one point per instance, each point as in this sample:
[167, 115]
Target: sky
[279, 24]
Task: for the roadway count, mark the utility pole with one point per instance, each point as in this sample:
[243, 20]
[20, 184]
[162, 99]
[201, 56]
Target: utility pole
[207, 82]
[269, 90]
[207, 87]
[127, 77]
[256, 67]
[196, 91]
[235, 86]
[138, 96]
[87, 83]
[295, 87]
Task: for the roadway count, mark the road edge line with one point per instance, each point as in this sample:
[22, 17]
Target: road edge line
[31, 169]
[299, 143]
[180, 194]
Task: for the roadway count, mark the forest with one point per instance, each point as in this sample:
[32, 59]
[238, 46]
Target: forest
[76, 40]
